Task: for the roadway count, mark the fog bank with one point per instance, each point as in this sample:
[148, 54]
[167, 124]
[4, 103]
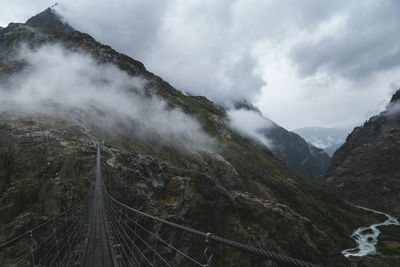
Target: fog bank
[56, 76]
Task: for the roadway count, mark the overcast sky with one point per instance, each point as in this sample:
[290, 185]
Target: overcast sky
[302, 63]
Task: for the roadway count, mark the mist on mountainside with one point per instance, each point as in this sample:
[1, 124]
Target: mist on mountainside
[55, 77]
[287, 146]
[249, 123]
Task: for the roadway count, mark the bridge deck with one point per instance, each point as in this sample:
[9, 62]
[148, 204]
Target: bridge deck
[98, 251]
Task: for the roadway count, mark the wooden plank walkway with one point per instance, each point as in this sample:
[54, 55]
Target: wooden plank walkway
[98, 251]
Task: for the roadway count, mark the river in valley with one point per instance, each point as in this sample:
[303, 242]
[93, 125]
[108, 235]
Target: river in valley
[367, 237]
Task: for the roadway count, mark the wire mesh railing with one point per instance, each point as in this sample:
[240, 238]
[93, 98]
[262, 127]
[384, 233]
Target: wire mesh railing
[58, 241]
[140, 239]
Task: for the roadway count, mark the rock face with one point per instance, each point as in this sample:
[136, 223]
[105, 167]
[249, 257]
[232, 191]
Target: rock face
[366, 168]
[296, 152]
[49, 20]
[236, 190]
[291, 147]
[195, 197]
[44, 169]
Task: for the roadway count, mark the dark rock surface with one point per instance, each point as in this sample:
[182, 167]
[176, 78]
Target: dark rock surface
[49, 20]
[45, 169]
[291, 147]
[366, 168]
[296, 152]
[395, 97]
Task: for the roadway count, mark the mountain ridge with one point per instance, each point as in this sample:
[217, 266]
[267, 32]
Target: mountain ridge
[372, 150]
[290, 147]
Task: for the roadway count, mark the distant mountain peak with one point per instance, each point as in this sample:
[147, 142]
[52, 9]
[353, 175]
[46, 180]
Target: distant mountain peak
[395, 97]
[49, 20]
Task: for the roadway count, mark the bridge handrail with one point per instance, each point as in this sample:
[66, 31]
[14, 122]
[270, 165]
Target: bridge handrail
[41, 226]
[209, 236]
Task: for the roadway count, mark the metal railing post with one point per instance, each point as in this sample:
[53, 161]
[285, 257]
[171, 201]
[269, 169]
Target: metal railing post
[54, 228]
[157, 227]
[208, 254]
[32, 245]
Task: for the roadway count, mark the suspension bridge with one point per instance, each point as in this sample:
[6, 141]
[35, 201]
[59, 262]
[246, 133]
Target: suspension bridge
[101, 231]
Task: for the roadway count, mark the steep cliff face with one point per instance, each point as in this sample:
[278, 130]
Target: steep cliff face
[366, 168]
[231, 187]
[45, 167]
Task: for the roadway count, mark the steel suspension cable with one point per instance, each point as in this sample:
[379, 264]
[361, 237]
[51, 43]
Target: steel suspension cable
[279, 258]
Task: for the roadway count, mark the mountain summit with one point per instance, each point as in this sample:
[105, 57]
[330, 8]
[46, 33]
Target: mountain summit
[395, 97]
[49, 20]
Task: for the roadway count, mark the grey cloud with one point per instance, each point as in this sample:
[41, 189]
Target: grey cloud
[129, 26]
[202, 47]
[244, 79]
[193, 46]
[21, 10]
[367, 43]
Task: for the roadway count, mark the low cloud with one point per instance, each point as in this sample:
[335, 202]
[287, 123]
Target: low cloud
[393, 109]
[55, 76]
[250, 124]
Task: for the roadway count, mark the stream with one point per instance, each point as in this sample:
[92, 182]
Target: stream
[367, 237]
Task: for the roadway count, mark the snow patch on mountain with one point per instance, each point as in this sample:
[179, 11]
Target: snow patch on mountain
[329, 139]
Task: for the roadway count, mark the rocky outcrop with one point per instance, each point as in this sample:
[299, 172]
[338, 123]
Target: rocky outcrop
[49, 20]
[45, 168]
[366, 169]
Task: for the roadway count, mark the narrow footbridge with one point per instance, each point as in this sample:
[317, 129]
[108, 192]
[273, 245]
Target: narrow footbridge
[101, 231]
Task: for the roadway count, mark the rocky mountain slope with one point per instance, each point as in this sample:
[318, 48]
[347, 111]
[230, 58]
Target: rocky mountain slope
[295, 151]
[230, 187]
[290, 147]
[365, 169]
